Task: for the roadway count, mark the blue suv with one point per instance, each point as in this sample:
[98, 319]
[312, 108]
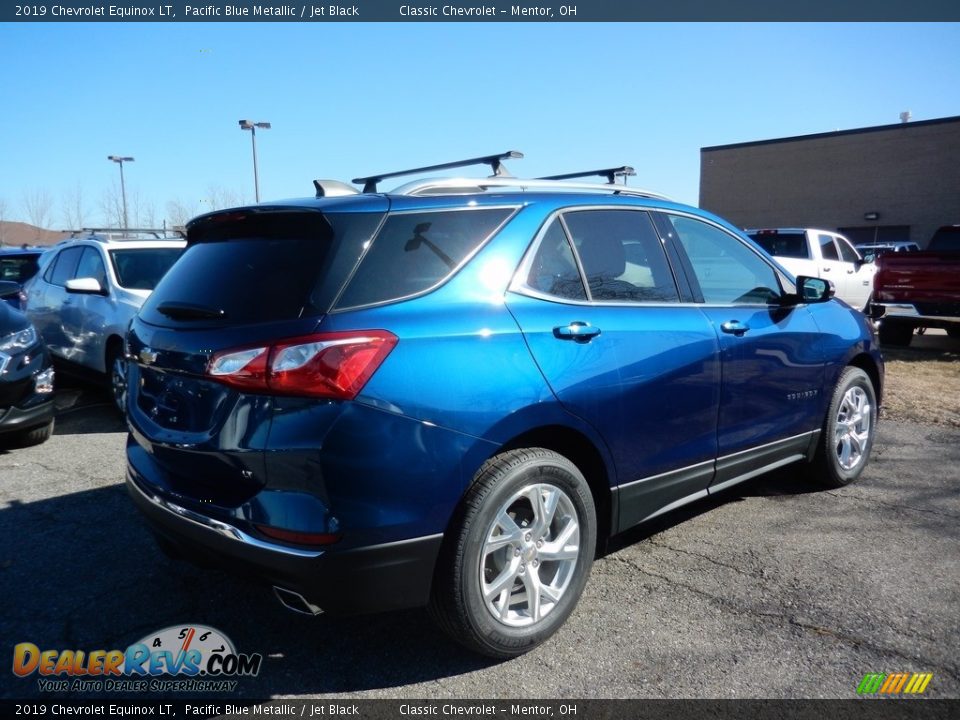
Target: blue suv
[453, 394]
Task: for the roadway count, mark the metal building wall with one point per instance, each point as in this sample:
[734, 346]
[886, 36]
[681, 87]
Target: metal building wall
[909, 174]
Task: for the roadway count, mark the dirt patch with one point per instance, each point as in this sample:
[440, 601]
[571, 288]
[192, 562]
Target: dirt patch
[923, 381]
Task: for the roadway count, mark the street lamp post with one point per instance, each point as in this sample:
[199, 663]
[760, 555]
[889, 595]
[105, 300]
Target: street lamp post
[123, 189]
[252, 127]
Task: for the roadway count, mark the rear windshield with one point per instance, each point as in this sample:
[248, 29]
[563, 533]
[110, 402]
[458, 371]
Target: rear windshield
[946, 239]
[261, 268]
[791, 245]
[417, 251]
[142, 268]
[18, 268]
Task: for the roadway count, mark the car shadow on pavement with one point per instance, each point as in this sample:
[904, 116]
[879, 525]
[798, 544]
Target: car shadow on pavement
[83, 572]
[84, 409]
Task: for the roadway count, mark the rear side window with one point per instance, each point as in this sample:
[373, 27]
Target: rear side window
[788, 245]
[827, 248]
[141, 269]
[415, 252]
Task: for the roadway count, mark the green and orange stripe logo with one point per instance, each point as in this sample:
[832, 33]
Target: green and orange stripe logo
[894, 683]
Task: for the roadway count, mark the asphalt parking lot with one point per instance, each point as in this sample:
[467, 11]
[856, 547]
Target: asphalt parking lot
[771, 590]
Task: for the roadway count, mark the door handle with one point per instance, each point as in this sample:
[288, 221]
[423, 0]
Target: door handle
[826, 269]
[577, 331]
[735, 327]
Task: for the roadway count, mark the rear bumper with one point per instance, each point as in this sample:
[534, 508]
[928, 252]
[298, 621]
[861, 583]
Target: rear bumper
[917, 315]
[390, 576]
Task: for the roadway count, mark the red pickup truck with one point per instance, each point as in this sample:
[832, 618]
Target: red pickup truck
[919, 289]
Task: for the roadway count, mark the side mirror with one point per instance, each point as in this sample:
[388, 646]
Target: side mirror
[85, 286]
[8, 288]
[814, 290]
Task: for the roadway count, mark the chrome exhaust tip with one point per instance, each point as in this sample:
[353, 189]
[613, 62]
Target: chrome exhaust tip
[295, 601]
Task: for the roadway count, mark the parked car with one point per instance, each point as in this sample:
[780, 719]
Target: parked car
[26, 377]
[452, 394]
[871, 251]
[18, 265]
[88, 291]
[823, 254]
[920, 289]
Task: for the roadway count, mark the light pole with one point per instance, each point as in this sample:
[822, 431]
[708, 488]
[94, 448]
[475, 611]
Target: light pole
[123, 189]
[252, 127]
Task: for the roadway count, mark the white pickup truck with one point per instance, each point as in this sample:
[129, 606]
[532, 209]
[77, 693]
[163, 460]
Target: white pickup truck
[821, 254]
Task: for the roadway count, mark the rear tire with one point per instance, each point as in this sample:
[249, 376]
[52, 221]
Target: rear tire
[518, 554]
[848, 430]
[895, 334]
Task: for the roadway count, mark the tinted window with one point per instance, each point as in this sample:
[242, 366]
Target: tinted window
[18, 268]
[142, 269]
[414, 252]
[265, 270]
[847, 253]
[621, 255]
[554, 269]
[64, 267]
[91, 266]
[827, 248]
[727, 270]
[946, 239]
[791, 245]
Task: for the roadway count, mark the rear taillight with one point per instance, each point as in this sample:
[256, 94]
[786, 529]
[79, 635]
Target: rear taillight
[332, 365]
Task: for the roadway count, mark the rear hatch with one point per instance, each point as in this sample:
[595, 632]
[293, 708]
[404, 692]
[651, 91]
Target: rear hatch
[247, 279]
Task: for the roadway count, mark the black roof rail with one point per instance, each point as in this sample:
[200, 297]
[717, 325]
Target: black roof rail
[611, 174]
[494, 161]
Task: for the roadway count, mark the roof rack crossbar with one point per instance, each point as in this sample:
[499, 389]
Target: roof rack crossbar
[611, 174]
[494, 161]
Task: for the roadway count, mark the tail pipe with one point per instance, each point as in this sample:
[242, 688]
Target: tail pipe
[295, 601]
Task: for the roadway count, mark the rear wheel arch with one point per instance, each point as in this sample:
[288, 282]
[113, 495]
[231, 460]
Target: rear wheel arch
[581, 451]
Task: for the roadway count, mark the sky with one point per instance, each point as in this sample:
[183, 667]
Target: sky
[347, 100]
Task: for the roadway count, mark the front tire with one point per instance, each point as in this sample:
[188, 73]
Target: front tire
[848, 430]
[117, 374]
[518, 554]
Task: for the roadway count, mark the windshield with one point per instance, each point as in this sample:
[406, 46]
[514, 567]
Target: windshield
[142, 268]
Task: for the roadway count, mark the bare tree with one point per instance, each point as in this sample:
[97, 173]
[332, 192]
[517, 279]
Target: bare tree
[73, 211]
[111, 206]
[38, 205]
[179, 211]
[219, 197]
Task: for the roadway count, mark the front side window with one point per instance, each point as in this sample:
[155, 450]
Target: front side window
[847, 253]
[622, 256]
[91, 266]
[417, 251]
[728, 272]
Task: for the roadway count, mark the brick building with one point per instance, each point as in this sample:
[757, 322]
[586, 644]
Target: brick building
[891, 182]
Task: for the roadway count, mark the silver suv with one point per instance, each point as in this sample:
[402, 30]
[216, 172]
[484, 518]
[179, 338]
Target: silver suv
[87, 291]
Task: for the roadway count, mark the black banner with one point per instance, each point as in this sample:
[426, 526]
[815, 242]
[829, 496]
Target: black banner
[483, 11]
[327, 709]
